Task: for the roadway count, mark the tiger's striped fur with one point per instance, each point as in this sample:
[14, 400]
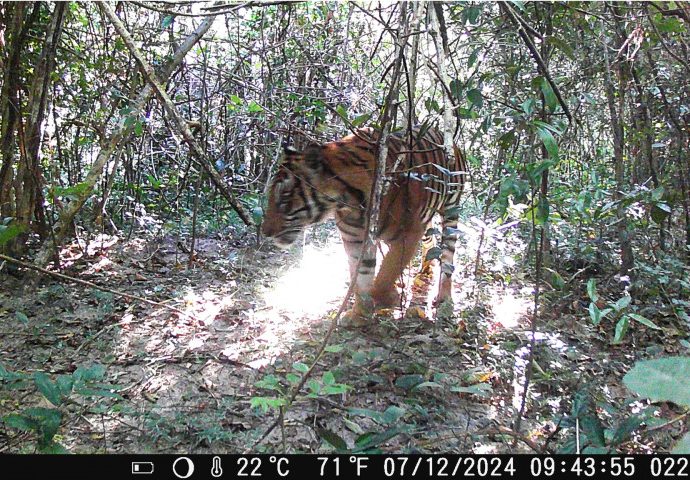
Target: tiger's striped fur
[337, 178]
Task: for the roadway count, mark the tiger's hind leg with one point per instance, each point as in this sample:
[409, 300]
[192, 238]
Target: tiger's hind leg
[428, 242]
[449, 237]
[400, 253]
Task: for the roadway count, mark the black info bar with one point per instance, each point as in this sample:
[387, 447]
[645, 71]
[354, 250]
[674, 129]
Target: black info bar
[306, 467]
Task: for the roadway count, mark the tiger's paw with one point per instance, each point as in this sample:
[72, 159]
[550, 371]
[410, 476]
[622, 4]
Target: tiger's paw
[353, 318]
[387, 299]
[444, 291]
[360, 313]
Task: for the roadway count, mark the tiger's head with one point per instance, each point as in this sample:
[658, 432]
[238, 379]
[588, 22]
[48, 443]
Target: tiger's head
[298, 195]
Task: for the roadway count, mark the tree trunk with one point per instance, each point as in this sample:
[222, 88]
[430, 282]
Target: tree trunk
[15, 34]
[121, 133]
[617, 112]
[29, 195]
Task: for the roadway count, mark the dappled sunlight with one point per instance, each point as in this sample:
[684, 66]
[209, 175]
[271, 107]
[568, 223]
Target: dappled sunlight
[542, 340]
[311, 287]
[188, 332]
[508, 308]
[206, 305]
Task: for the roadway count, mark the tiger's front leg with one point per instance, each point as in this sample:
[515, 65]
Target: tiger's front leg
[351, 226]
[364, 301]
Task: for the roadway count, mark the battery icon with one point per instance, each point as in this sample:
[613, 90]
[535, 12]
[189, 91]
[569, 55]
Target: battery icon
[142, 467]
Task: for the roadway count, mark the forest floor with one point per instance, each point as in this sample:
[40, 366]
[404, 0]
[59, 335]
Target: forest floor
[212, 380]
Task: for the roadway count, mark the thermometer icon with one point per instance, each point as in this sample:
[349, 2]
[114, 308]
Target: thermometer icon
[216, 471]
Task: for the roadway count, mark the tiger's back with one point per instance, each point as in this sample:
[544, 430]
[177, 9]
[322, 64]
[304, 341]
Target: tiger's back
[337, 178]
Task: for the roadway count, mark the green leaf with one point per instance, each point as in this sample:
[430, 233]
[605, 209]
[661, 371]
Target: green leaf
[393, 414]
[408, 382]
[46, 419]
[342, 112]
[371, 440]
[660, 212]
[328, 378]
[366, 412]
[556, 280]
[626, 428]
[592, 289]
[254, 107]
[622, 303]
[472, 59]
[621, 329]
[52, 448]
[300, 367]
[65, 383]
[7, 233]
[335, 389]
[361, 119]
[465, 113]
[269, 382]
[475, 97]
[257, 214]
[335, 348]
[264, 403]
[167, 21]
[549, 142]
[548, 126]
[594, 313]
[643, 321]
[593, 429]
[549, 95]
[47, 388]
[433, 253]
[21, 317]
[683, 446]
[662, 379]
[333, 439]
[10, 376]
[314, 387]
[472, 14]
[480, 389]
[427, 385]
[536, 169]
[561, 45]
[456, 88]
[542, 211]
[20, 422]
[89, 373]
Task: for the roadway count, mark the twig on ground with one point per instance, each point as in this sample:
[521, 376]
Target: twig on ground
[85, 283]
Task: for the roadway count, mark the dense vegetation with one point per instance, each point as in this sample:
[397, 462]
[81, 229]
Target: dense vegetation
[574, 118]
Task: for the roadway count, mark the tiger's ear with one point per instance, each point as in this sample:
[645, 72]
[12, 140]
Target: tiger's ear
[313, 157]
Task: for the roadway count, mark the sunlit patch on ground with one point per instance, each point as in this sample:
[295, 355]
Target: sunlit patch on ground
[300, 295]
[312, 286]
[508, 308]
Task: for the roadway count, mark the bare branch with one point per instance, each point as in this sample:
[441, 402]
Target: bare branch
[535, 54]
[180, 123]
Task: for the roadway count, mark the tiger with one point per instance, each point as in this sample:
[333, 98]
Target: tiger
[335, 179]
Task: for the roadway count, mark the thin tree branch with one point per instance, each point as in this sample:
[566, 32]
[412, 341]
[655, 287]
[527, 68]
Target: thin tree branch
[535, 54]
[180, 123]
[85, 283]
[121, 133]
